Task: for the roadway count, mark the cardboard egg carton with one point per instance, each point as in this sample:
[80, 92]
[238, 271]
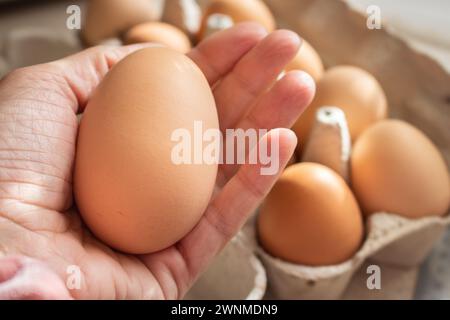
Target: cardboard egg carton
[418, 92]
[235, 274]
[238, 274]
[26, 46]
[394, 244]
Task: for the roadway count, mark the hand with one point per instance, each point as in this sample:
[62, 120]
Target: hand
[38, 108]
[22, 278]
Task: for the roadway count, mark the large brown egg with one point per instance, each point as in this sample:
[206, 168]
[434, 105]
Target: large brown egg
[397, 169]
[238, 11]
[159, 32]
[109, 18]
[310, 217]
[308, 60]
[351, 89]
[129, 191]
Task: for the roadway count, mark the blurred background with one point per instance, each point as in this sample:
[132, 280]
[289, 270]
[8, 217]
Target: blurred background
[424, 24]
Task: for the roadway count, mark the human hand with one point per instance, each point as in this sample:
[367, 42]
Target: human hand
[23, 278]
[38, 112]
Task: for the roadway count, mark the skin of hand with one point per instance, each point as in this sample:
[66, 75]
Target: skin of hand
[41, 234]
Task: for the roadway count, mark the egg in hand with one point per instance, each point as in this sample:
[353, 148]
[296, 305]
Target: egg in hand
[128, 190]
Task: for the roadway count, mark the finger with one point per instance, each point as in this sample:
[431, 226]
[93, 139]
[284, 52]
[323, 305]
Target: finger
[231, 208]
[8, 268]
[253, 74]
[83, 71]
[218, 54]
[32, 280]
[278, 108]
[283, 104]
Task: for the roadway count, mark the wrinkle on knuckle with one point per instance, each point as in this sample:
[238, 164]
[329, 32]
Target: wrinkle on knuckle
[251, 186]
[183, 251]
[41, 82]
[254, 122]
[215, 219]
[250, 87]
[100, 62]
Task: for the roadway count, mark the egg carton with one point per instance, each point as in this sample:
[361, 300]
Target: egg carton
[417, 91]
[235, 274]
[26, 46]
[395, 245]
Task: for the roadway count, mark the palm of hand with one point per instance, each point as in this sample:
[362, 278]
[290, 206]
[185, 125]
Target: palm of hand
[37, 147]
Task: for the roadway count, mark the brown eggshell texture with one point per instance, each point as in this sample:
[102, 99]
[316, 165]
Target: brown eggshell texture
[239, 11]
[129, 192]
[397, 169]
[310, 217]
[109, 18]
[351, 89]
[159, 32]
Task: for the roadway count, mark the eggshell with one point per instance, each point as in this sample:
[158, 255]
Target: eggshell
[186, 15]
[397, 169]
[109, 18]
[159, 32]
[239, 11]
[351, 89]
[308, 60]
[310, 217]
[127, 188]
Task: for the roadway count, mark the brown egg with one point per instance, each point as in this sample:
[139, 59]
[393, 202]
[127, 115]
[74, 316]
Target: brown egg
[308, 60]
[239, 11]
[186, 15]
[397, 169]
[351, 89]
[159, 32]
[310, 217]
[128, 190]
[109, 18]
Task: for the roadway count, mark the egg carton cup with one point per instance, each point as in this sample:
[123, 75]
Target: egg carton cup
[395, 244]
[26, 46]
[235, 274]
